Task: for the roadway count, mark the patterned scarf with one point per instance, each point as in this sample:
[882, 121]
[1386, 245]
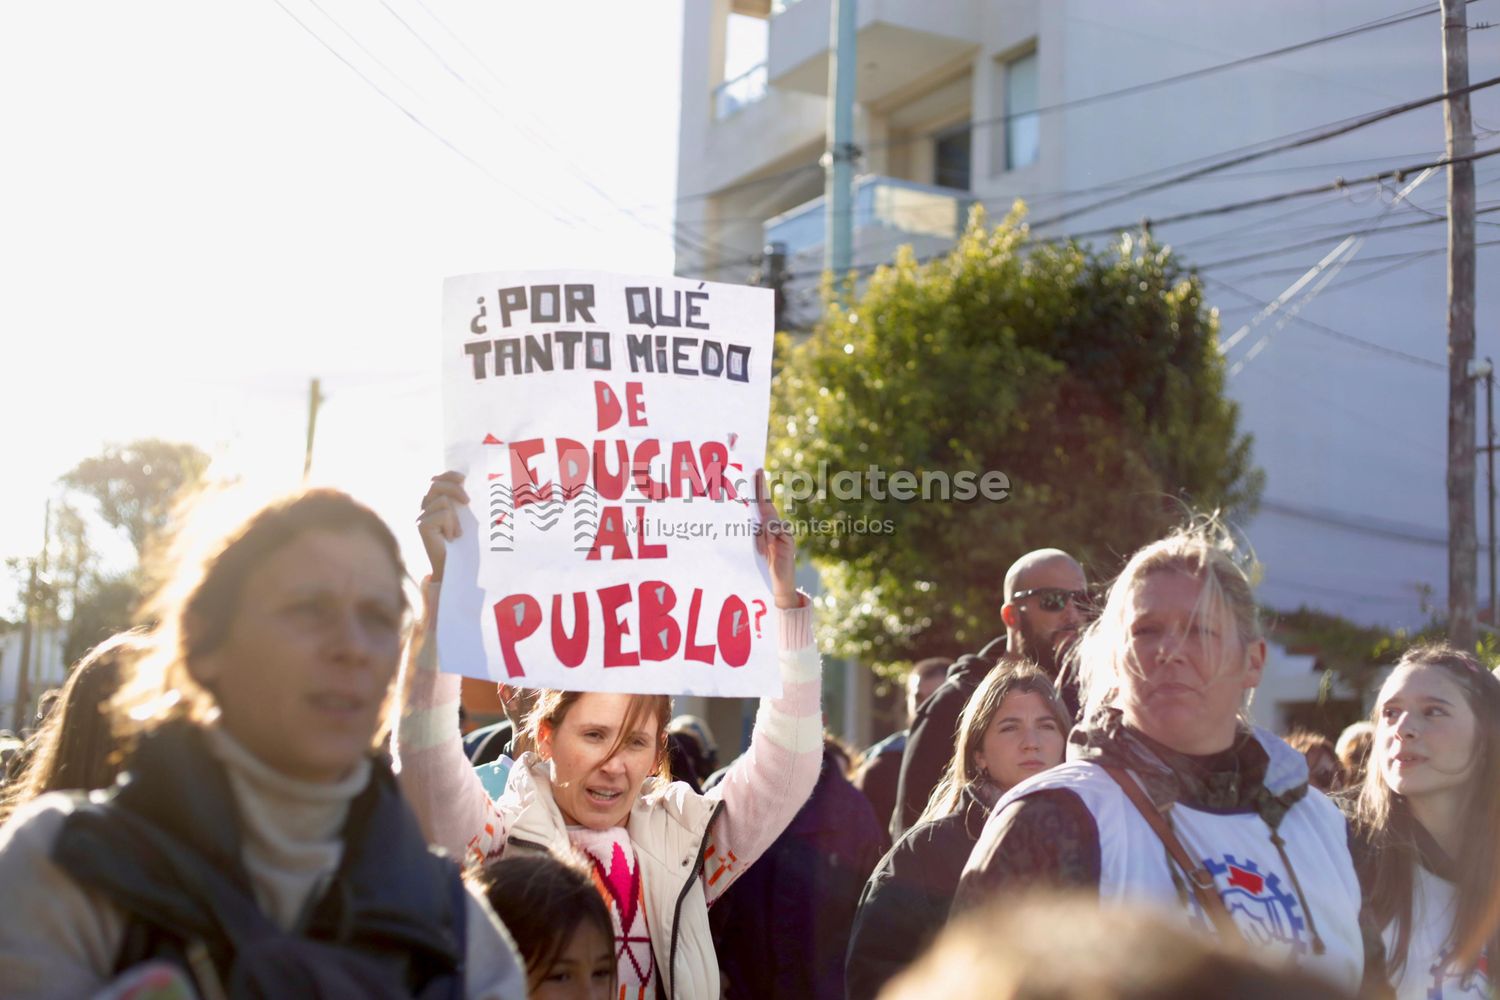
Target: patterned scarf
[611, 858]
[1231, 780]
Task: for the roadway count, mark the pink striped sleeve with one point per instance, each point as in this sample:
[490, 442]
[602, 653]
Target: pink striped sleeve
[436, 778]
[768, 784]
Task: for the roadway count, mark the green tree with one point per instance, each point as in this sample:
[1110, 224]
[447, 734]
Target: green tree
[1090, 378]
[135, 487]
[1358, 654]
[136, 484]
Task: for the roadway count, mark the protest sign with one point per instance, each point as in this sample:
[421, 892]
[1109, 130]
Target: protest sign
[610, 429]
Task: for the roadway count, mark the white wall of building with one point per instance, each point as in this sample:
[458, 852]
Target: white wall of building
[1352, 435]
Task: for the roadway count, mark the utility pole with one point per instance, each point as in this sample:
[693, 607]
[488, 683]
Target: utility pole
[838, 161]
[772, 275]
[314, 400]
[1458, 128]
[22, 708]
[1489, 450]
[1486, 370]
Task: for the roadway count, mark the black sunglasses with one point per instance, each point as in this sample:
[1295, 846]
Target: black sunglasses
[1054, 599]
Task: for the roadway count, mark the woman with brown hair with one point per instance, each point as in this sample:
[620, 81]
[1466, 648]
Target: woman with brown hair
[598, 782]
[76, 747]
[1428, 819]
[1013, 727]
[260, 846]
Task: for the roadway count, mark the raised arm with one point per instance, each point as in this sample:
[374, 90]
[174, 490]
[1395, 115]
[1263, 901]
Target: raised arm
[763, 790]
[436, 777]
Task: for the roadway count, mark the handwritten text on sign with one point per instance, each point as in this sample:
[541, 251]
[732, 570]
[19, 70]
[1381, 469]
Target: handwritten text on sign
[610, 429]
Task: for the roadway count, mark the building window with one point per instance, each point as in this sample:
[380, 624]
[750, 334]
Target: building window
[1022, 122]
[950, 158]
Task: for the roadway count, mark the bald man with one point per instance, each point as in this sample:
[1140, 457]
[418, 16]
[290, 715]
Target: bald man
[1045, 604]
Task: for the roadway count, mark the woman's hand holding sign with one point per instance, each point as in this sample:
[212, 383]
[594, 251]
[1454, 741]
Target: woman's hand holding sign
[438, 522]
[776, 544]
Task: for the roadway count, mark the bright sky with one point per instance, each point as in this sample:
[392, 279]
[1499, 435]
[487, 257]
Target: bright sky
[202, 208]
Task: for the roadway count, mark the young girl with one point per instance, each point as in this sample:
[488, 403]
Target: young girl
[1014, 726]
[597, 783]
[1429, 821]
[554, 911]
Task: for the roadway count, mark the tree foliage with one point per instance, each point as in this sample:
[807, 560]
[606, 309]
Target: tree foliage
[136, 484]
[1090, 378]
[1358, 653]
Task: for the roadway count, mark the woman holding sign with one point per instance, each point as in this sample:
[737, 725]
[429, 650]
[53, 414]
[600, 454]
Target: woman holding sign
[598, 785]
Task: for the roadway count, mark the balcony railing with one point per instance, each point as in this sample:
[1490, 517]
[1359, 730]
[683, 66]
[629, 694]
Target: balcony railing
[887, 211]
[732, 96]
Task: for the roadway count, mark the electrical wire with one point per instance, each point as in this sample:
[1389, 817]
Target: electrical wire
[679, 241]
[1323, 240]
[1408, 257]
[417, 120]
[1240, 206]
[1339, 335]
[1323, 136]
[1337, 185]
[1389, 20]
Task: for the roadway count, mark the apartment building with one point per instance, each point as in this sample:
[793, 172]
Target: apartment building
[1076, 106]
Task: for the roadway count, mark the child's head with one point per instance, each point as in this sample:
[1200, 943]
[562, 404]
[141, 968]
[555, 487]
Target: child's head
[555, 913]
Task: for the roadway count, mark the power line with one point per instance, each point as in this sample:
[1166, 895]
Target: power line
[476, 164]
[679, 241]
[1322, 136]
[1395, 531]
[1407, 257]
[1323, 240]
[1385, 22]
[1337, 185]
[1392, 19]
[1335, 592]
[1239, 206]
[1339, 335]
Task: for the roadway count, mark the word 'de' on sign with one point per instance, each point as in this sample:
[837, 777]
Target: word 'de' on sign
[610, 429]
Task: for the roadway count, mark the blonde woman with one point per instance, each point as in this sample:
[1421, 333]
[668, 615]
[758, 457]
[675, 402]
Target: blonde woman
[1013, 728]
[1169, 797]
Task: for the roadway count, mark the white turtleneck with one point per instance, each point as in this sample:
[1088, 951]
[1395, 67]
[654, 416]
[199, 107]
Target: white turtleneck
[290, 828]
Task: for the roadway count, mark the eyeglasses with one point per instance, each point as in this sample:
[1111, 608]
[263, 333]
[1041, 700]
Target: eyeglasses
[1054, 599]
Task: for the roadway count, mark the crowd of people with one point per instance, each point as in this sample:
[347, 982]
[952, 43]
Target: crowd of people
[266, 792]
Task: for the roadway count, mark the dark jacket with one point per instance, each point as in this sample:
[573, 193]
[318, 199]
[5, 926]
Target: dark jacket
[164, 846]
[879, 773]
[489, 743]
[906, 902]
[929, 741]
[783, 928]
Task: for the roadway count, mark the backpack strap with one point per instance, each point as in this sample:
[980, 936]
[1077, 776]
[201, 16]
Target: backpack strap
[1199, 880]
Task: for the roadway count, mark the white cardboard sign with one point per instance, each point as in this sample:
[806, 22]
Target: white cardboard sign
[610, 428]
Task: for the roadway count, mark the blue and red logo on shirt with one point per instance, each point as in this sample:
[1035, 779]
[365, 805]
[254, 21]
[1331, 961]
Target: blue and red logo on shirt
[1452, 983]
[1264, 912]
